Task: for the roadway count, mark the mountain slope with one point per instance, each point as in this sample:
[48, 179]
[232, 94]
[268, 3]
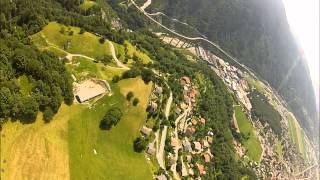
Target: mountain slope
[257, 33]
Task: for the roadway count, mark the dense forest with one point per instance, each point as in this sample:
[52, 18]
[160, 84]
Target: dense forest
[257, 34]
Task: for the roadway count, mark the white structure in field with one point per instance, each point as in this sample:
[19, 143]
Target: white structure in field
[89, 89]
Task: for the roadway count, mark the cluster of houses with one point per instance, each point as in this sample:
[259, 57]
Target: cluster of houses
[196, 151]
[235, 80]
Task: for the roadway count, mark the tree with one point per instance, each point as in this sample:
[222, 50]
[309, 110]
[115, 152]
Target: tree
[48, 114]
[102, 40]
[147, 75]
[62, 30]
[139, 144]
[115, 79]
[130, 95]
[135, 101]
[82, 31]
[110, 119]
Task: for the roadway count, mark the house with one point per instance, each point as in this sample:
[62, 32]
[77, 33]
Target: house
[150, 149]
[193, 93]
[174, 142]
[194, 121]
[202, 121]
[189, 158]
[153, 106]
[209, 139]
[186, 99]
[191, 172]
[158, 90]
[185, 81]
[186, 145]
[184, 106]
[145, 131]
[201, 169]
[184, 172]
[205, 144]
[190, 131]
[197, 146]
[178, 110]
[207, 156]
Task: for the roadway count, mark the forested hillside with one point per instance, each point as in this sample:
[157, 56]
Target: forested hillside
[258, 35]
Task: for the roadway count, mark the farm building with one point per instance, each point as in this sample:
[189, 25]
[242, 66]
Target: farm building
[89, 89]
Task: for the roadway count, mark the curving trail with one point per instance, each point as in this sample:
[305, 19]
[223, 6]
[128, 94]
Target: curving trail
[113, 53]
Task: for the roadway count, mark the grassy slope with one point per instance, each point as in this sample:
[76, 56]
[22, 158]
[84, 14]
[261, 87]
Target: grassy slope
[87, 4]
[115, 157]
[38, 150]
[84, 68]
[86, 43]
[252, 144]
[297, 135]
[133, 50]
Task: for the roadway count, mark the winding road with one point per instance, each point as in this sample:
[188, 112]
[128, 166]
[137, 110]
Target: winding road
[160, 152]
[113, 53]
[193, 38]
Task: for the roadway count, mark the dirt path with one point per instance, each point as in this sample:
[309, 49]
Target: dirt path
[113, 52]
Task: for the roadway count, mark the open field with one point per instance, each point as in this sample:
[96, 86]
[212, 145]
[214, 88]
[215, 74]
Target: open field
[115, 158]
[84, 68]
[134, 51]
[279, 150]
[86, 43]
[63, 148]
[297, 135]
[38, 150]
[87, 4]
[252, 144]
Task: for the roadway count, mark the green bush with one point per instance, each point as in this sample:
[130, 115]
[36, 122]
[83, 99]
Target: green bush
[110, 119]
[135, 101]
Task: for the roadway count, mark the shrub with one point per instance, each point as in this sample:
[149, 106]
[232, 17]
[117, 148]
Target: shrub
[130, 95]
[70, 33]
[110, 119]
[135, 101]
[48, 114]
[139, 144]
[82, 31]
[115, 79]
[102, 40]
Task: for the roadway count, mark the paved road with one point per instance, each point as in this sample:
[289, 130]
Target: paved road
[192, 38]
[176, 149]
[160, 152]
[168, 106]
[146, 4]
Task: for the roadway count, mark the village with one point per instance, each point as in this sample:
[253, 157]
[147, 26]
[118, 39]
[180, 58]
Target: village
[181, 140]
